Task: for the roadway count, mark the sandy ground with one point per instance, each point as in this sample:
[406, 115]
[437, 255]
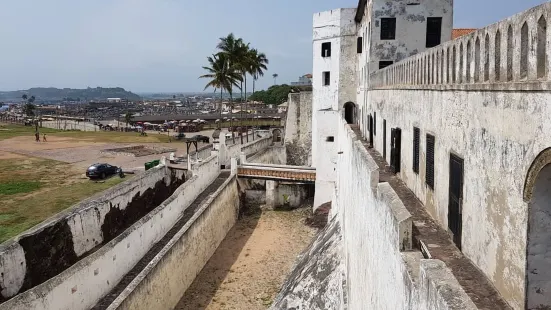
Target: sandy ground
[83, 153]
[249, 267]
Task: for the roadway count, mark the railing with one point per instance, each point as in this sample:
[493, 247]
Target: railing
[515, 50]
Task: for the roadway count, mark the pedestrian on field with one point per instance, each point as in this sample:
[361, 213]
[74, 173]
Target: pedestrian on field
[37, 136]
[44, 138]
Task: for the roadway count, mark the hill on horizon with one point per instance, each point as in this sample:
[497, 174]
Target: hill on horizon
[71, 94]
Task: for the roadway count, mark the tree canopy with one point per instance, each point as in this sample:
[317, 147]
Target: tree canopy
[276, 94]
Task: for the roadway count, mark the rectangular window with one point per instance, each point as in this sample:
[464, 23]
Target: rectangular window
[434, 31]
[388, 28]
[430, 162]
[384, 139]
[374, 123]
[416, 138]
[326, 78]
[326, 49]
[384, 64]
[359, 45]
[330, 139]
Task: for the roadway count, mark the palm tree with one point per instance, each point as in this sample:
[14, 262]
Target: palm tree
[275, 75]
[258, 64]
[236, 51]
[222, 76]
[128, 118]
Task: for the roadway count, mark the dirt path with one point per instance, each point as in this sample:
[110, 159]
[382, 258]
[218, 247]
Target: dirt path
[249, 267]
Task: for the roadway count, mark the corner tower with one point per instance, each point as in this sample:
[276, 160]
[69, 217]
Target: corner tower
[333, 80]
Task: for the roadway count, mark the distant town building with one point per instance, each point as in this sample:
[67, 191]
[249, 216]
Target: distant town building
[305, 80]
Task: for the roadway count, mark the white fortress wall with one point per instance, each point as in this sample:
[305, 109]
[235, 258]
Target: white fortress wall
[485, 98]
[84, 283]
[383, 272]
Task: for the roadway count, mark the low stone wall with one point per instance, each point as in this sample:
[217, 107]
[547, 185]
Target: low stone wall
[84, 283]
[275, 155]
[383, 271]
[164, 281]
[256, 146]
[201, 153]
[51, 247]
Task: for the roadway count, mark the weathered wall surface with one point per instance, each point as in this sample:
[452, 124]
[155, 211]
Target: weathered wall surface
[51, 247]
[275, 155]
[498, 135]
[317, 280]
[411, 28]
[163, 282]
[227, 152]
[485, 98]
[81, 285]
[382, 270]
[298, 129]
[338, 28]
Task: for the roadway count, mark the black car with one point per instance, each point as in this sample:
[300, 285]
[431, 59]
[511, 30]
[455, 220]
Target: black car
[101, 171]
[179, 136]
[201, 138]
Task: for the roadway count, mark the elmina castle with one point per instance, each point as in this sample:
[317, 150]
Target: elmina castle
[431, 161]
[435, 155]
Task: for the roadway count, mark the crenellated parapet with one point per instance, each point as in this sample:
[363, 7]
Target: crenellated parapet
[512, 54]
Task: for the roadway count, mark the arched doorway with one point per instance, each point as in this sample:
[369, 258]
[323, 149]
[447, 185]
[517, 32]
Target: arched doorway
[276, 136]
[350, 112]
[538, 246]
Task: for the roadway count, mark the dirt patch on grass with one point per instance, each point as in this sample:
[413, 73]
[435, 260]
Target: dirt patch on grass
[249, 267]
[8, 155]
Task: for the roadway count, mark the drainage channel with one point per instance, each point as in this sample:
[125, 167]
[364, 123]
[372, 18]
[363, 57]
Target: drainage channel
[188, 213]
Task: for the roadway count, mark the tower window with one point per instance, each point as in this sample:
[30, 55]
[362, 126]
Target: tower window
[326, 78]
[359, 45]
[326, 49]
[388, 28]
[434, 31]
[384, 64]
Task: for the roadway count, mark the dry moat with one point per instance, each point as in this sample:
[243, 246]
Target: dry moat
[250, 265]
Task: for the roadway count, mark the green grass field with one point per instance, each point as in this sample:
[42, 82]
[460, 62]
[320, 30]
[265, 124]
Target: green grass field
[10, 131]
[34, 189]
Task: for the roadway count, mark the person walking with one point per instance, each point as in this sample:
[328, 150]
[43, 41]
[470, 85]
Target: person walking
[37, 136]
[44, 138]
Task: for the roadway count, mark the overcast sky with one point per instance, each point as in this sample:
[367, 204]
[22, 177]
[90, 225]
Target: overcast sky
[160, 45]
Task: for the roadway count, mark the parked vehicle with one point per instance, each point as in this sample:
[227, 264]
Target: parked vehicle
[201, 138]
[179, 136]
[101, 171]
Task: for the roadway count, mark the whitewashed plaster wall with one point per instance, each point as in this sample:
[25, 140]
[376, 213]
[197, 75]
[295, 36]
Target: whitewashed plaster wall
[339, 28]
[382, 270]
[166, 278]
[85, 221]
[411, 27]
[84, 283]
[498, 135]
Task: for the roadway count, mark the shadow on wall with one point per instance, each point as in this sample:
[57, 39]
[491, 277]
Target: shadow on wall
[201, 292]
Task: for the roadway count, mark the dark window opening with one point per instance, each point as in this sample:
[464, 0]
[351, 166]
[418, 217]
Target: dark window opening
[330, 139]
[374, 123]
[430, 162]
[350, 113]
[384, 139]
[434, 31]
[326, 49]
[359, 45]
[326, 78]
[416, 143]
[388, 28]
[385, 63]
